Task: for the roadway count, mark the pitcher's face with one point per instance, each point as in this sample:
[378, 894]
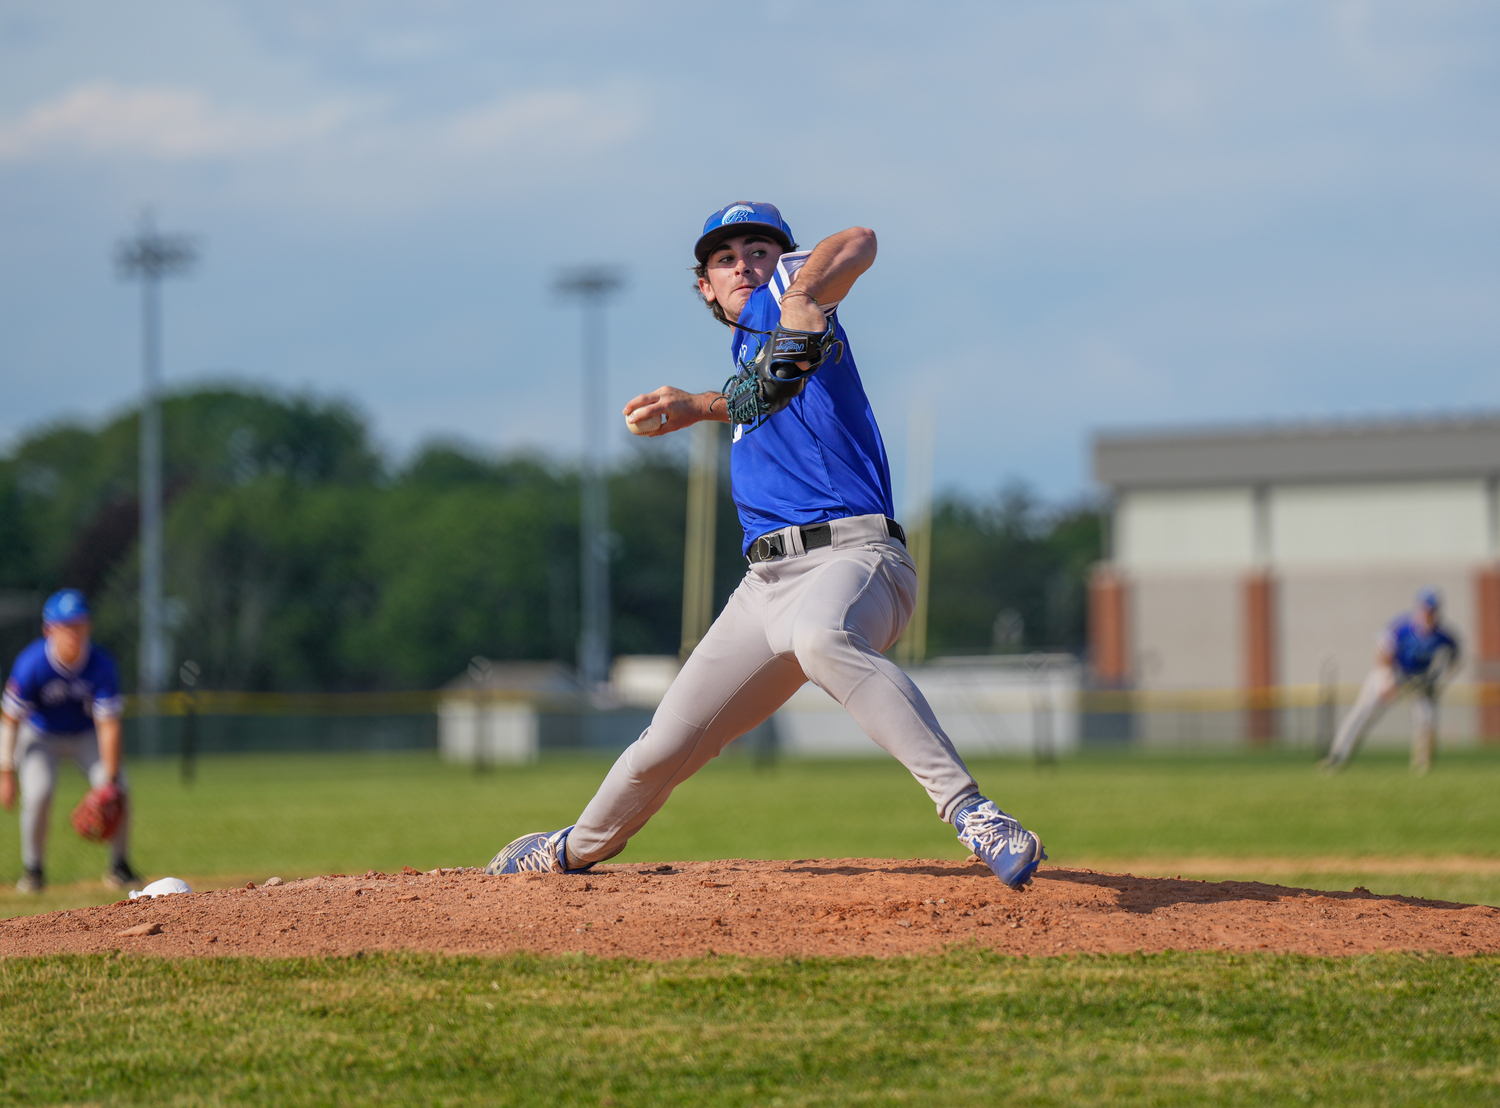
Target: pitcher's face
[736, 268]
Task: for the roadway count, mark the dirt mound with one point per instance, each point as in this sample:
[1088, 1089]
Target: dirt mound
[821, 906]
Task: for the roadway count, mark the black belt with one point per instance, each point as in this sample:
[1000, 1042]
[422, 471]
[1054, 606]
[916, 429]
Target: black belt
[771, 546]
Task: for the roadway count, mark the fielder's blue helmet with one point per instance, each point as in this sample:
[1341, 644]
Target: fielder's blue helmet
[65, 606]
[742, 217]
[1430, 599]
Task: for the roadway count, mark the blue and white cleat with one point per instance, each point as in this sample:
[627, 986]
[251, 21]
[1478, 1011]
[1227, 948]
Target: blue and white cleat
[538, 852]
[1000, 842]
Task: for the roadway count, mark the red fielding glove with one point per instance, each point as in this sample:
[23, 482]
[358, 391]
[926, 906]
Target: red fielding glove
[99, 813]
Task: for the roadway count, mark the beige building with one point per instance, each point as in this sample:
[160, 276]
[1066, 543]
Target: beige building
[1250, 568]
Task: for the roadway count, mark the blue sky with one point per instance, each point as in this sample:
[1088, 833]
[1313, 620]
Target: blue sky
[1091, 214]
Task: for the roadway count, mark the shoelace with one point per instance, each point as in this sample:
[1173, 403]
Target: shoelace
[538, 860]
[989, 830]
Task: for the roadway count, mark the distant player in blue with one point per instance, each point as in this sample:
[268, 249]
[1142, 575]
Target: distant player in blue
[1413, 655]
[62, 701]
[830, 585]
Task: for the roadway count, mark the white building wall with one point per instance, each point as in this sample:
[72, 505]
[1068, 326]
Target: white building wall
[1384, 524]
[1184, 529]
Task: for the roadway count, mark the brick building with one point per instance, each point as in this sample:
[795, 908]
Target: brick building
[1259, 563]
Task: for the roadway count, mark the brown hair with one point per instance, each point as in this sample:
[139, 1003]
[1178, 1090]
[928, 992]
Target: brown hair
[700, 271]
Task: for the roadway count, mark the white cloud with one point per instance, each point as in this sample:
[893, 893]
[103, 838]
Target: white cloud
[102, 119]
[370, 154]
[560, 117]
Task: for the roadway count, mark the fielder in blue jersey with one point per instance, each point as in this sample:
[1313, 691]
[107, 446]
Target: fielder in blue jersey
[1413, 654]
[830, 585]
[62, 701]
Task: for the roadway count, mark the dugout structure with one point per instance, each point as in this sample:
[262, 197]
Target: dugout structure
[1248, 571]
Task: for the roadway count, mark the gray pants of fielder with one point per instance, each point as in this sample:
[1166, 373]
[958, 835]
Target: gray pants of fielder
[37, 756]
[1379, 692]
[825, 616]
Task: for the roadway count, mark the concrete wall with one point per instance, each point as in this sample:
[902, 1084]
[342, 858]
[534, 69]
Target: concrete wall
[1373, 523]
[1379, 524]
[1184, 529]
[1187, 630]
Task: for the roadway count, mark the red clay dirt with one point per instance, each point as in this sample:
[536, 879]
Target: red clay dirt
[837, 907]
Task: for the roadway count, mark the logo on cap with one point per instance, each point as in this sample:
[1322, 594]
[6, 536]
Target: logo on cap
[738, 214]
[65, 606]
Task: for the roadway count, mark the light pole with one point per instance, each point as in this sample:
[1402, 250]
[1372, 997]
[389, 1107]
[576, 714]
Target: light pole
[149, 257]
[698, 559]
[591, 286]
[911, 649]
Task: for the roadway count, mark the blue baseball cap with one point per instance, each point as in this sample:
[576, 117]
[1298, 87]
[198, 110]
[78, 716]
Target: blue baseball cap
[1430, 599]
[740, 218]
[65, 606]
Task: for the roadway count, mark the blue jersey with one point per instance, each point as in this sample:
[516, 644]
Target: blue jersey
[1413, 649]
[58, 699]
[820, 457]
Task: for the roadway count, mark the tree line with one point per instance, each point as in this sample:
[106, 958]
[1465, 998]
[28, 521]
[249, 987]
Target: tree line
[299, 557]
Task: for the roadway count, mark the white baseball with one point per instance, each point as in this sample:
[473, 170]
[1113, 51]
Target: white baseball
[647, 425]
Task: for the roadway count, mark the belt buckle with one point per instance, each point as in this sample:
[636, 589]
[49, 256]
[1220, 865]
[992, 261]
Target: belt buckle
[768, 547]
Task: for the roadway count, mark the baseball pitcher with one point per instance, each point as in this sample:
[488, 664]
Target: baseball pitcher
[1413, 655]
[830, 584]
[63, 701]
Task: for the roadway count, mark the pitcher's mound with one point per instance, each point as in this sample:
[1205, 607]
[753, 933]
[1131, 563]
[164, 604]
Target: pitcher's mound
[834, 907]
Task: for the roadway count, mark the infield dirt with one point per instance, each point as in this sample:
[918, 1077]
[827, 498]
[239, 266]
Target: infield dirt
[835, 907]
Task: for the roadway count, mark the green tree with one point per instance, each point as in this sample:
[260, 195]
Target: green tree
[299, 559]
[73, 500]
[1014, 556]
[471, 556]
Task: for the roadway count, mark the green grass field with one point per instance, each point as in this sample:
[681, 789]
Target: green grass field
[962, 1028]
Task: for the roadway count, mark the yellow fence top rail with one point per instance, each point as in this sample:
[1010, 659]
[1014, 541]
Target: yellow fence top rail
[422, 702]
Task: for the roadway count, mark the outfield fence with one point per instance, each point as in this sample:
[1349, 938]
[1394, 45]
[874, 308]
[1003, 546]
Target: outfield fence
[1041, 711]
[214, 722]
[1291, 716]
[222, 722]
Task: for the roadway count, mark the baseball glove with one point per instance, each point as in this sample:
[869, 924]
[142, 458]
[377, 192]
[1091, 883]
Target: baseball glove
[768, 381]
[99, 813]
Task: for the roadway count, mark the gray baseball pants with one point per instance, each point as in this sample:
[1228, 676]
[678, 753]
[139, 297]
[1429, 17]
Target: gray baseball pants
[823, 615]
[37, 756]
[1379, 692]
